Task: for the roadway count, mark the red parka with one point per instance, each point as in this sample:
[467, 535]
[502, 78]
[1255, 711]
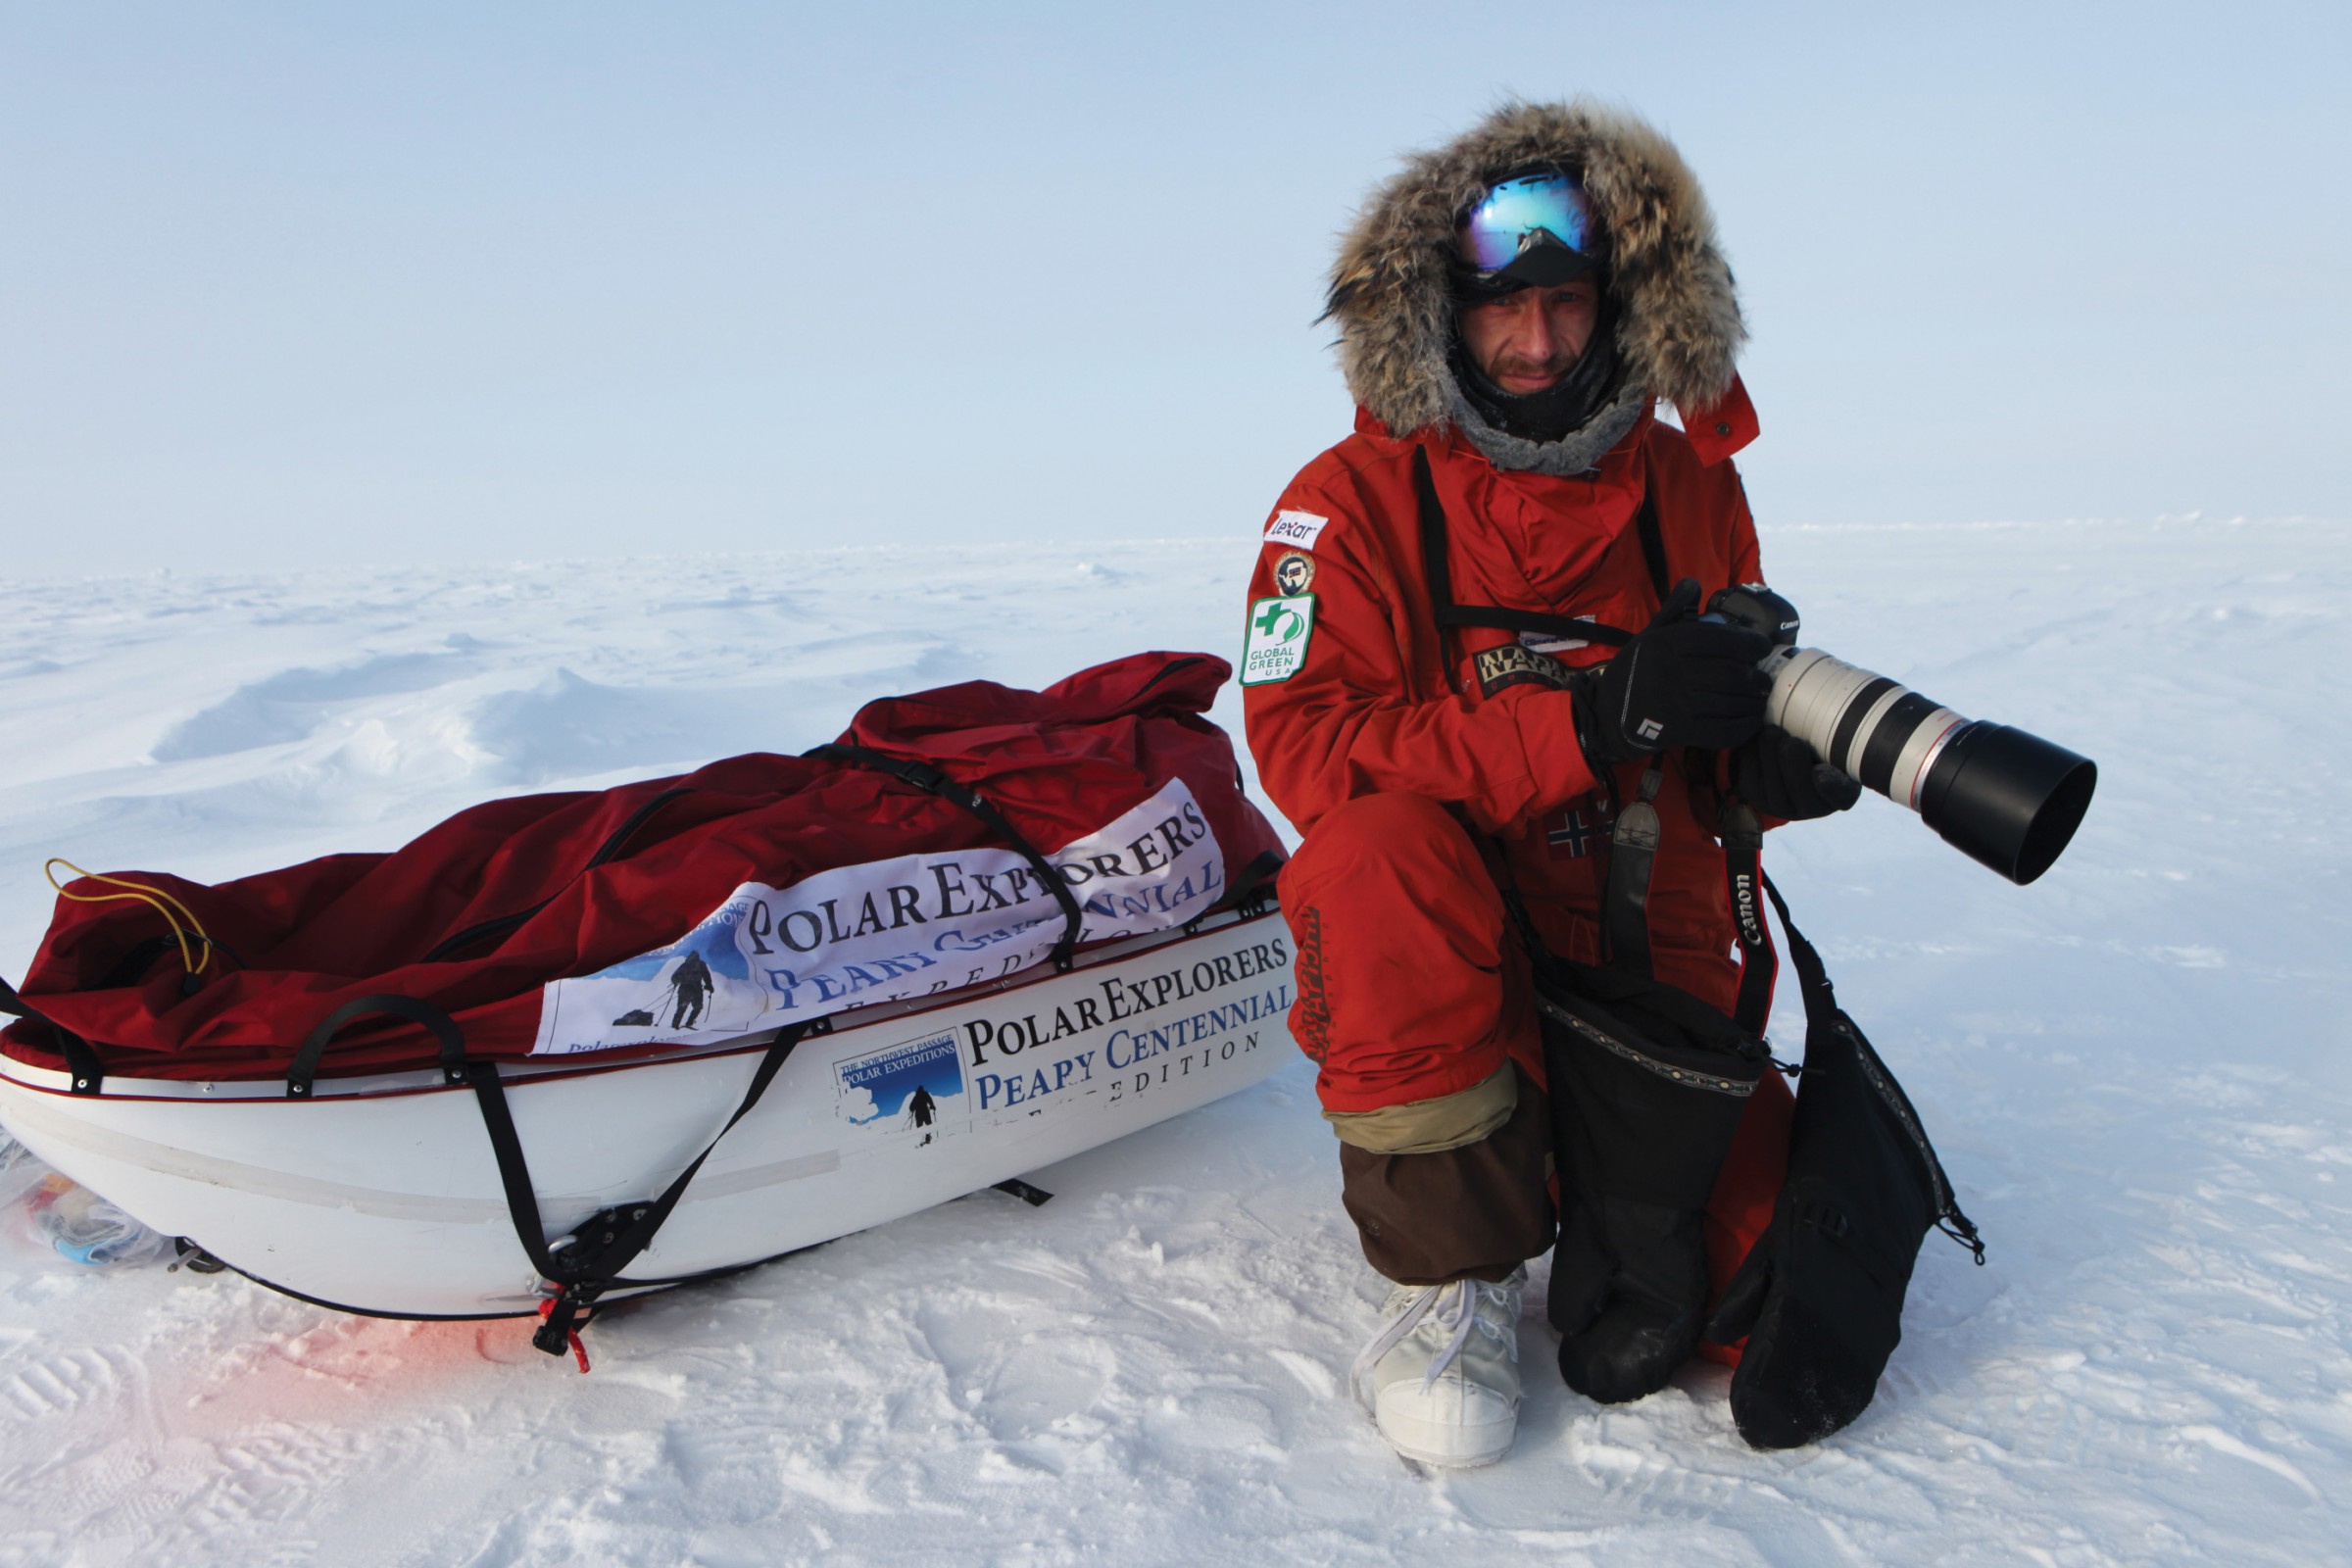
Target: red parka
[1383, 703]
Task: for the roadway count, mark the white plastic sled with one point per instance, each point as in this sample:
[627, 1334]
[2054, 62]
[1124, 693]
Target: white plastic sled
[382, 1194]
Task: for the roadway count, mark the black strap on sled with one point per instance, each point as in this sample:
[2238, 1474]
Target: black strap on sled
[609, 1242]
[82, 1066]
[1034, 1196]
[304, 1072]
[1253, 891]
[589, 1261]
[931, 781]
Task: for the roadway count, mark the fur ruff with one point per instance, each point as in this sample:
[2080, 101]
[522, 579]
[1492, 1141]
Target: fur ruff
[1678, 321]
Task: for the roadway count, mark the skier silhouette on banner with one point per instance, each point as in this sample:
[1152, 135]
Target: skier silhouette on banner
[692, 985]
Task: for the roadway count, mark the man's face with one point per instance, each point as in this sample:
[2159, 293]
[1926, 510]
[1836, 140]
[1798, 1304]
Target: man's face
[1527, 340]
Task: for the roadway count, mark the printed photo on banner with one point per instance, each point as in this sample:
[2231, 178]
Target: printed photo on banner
[887, 930]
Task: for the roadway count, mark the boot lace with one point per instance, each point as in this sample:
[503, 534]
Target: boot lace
[1455, 1310]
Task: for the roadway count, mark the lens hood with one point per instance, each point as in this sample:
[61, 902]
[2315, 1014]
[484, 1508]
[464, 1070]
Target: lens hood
[2006, 799]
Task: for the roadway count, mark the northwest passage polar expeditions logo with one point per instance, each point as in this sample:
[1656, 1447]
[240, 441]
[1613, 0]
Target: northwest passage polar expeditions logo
[1130, 1035]
[887, 930]
[901, 1088]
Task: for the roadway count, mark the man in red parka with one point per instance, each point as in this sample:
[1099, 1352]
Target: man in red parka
[1479, 682]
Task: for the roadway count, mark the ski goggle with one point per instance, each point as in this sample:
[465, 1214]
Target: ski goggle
[1517, 214]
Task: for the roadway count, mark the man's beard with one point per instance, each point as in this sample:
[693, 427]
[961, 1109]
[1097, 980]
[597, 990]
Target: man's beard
[1590, 385]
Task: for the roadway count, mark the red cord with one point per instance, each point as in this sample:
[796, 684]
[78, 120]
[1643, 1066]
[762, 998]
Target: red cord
[547, 1308]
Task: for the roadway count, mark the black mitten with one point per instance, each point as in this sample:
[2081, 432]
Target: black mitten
[1682, 681]
[1822, 1309]
[1820, 1297]
[1648, 1087]
[1782, 776]
[1629, 1291]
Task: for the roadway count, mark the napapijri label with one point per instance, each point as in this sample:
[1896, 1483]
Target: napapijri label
[1279, 631]
[886, 930]
[1298, 528]
[1514, 665]
[1294, 573]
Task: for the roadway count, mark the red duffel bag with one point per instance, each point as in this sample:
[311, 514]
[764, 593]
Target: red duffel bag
[949, 838]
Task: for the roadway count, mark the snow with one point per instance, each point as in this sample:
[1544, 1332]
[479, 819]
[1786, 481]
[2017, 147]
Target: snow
[2135, 1071]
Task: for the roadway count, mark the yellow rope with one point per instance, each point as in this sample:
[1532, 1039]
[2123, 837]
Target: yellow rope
[164, 903]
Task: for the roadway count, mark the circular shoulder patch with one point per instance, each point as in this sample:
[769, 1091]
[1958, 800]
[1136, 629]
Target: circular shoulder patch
[1295, 572]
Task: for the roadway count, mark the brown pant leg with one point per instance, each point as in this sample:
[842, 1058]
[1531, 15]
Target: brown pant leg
[1473, 1212]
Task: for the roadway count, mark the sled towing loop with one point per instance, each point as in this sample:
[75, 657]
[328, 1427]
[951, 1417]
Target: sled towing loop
[586, 1263]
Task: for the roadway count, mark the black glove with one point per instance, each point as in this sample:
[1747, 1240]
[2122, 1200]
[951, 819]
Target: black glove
[1682, 681]
[1782, 776]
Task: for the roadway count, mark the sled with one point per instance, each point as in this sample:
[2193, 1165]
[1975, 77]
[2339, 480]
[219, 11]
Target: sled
[574, 1047]
[381, 1195]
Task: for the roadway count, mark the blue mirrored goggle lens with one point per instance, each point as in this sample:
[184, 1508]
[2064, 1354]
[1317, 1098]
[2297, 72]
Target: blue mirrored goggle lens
[1491, 236]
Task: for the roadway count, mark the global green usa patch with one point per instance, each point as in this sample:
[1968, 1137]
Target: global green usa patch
[1276, 647]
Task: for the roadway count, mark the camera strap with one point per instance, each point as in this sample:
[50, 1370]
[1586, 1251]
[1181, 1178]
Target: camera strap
[1742, 838]
[1634, 838]
[1625, 899]
[1625, 895]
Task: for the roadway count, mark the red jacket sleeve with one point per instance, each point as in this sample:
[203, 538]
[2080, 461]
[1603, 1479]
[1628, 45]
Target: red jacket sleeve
[1369, 710]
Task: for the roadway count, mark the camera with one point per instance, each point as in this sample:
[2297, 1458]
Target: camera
[2004, 798]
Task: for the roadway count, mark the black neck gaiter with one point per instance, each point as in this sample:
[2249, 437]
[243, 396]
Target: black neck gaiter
[1559, 410]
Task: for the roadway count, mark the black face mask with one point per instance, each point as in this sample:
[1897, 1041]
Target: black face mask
[1591, 385]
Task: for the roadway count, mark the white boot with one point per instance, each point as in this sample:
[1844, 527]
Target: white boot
[1441, 1376]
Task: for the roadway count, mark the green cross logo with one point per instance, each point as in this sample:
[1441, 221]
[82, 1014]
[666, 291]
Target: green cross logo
[1276, 613]
[1276, 645]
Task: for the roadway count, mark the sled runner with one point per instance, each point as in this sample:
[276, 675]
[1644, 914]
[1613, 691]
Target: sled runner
[582, 1046]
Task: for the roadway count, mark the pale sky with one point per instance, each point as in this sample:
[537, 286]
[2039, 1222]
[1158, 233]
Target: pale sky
[294, 286]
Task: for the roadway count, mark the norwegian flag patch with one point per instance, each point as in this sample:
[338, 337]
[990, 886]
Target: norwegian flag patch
[1573, 834]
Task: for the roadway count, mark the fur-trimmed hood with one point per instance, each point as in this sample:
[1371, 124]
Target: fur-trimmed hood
[1678, 318]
